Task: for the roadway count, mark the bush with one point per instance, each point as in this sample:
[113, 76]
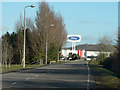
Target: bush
[92, 58]
[74, 56]
[110, 63]
[101, 58]
[52, 52]
[107, 63]
[36, 59]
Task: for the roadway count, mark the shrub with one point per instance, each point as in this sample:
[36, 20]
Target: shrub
[101, 58]
[74, 56]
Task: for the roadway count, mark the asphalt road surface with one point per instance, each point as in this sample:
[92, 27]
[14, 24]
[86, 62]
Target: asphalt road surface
[73, 74]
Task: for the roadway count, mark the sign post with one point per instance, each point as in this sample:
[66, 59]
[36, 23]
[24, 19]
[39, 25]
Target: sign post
[73, 39]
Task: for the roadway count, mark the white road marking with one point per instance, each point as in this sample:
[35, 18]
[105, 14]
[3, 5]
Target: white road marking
[71, 80]
[14, 83]
[32, 78]
[36, 75]
[88, 81]
[27, 78]
[76, 60]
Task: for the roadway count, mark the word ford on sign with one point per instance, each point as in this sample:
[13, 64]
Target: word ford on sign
[74, 38]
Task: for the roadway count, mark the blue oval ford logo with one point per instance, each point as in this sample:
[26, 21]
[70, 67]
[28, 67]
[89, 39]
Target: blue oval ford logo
[74, 38]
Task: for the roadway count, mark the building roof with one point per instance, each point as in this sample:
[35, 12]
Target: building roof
[87, 47]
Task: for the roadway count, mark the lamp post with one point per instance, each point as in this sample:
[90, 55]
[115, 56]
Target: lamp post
[52, 25]
[58, 48]
[24, 35]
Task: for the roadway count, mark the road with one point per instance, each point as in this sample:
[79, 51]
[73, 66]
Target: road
[73, 74]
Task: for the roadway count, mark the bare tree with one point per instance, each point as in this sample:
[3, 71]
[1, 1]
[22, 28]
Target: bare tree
[118, 50]
[119, 44]
[6, 50]
[105, 44]
[19, 43]
[0, 52]
[54, 35]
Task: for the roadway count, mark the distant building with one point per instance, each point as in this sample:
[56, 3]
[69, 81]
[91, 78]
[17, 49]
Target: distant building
[90, 54]
[65, 52]
[84, 51]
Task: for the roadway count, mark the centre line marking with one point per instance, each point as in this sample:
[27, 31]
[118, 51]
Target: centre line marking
[27, 78]
[88, 76]
[14, 83]
[36, 75]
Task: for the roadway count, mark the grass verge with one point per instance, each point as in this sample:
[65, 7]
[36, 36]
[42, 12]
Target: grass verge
[18, 67]
[105, 78]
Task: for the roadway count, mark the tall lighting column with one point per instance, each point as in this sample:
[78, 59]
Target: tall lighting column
[52, 25]
[23, 60]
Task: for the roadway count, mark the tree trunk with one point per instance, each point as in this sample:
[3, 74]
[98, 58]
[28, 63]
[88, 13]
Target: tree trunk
[58, 56]
[6, 64]
[21, 58]
[9, 64]
[3, 64]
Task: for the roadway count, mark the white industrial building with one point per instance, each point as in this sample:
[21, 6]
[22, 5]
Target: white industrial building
[91, 53]
[82, 53]
[65, 52]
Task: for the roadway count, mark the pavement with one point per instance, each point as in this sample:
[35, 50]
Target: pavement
[73, 74]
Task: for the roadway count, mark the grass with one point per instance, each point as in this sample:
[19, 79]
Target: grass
[18, 67]
[63, 61]
[105, 78]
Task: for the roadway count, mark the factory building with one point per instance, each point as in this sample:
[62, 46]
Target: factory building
[83, 51]
[66, 52]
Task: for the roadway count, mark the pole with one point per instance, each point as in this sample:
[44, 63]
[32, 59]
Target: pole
[47, 42]
[72, 47]
[58, 56]
[46, 47]
[23, 60]
[24, 41]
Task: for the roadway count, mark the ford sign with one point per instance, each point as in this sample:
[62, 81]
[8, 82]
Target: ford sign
[73, 38]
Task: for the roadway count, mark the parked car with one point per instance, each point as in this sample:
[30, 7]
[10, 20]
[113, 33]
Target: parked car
[63, 58]
[90, 57]
[70, 58]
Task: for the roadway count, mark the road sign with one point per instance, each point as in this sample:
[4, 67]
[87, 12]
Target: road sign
[73, 38]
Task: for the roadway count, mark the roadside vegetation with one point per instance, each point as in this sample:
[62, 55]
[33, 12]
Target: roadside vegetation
[105, 79]
[48, 26]
[106, 69]
[15, 67]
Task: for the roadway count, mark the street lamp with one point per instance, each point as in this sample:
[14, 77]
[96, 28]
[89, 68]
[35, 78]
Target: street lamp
[58, 48]
[52, 25]
[24, 35]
